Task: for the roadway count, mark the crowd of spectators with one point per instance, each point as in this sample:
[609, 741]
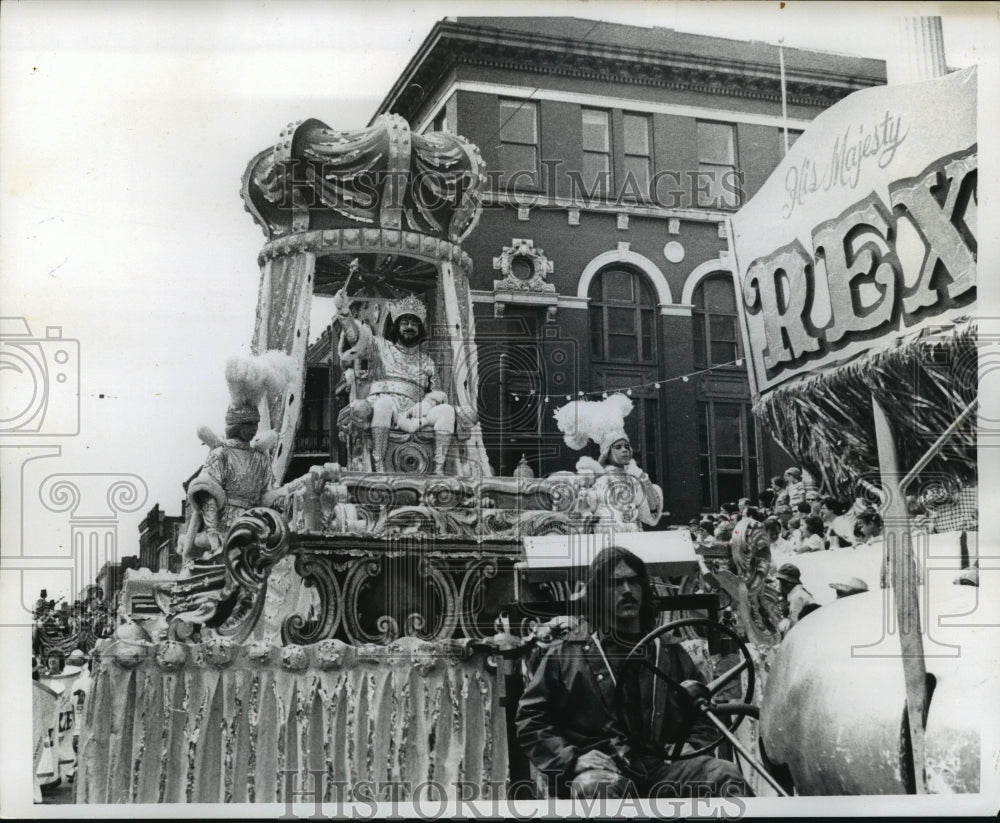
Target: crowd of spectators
[798, 517]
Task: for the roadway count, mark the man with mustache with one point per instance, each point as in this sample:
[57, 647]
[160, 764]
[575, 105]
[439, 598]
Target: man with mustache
[567, 720]
[404, 391]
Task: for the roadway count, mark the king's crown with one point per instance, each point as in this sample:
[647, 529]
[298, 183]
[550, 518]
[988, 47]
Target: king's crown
[409, 305]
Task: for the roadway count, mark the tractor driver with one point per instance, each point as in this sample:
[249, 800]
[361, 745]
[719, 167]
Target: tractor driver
[567, 722]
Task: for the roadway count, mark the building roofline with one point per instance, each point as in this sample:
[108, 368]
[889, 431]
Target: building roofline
[679, 63]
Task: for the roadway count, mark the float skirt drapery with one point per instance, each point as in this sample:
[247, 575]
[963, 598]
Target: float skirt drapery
[215, 722]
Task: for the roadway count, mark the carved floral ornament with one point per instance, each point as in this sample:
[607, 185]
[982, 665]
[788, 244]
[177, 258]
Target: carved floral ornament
[524, 269]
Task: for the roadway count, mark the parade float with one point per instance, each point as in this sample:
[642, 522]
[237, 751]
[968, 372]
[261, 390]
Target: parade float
[354, 623]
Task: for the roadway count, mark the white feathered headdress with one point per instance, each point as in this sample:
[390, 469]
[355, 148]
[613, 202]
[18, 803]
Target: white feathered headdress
[602, 421]
[250, 378]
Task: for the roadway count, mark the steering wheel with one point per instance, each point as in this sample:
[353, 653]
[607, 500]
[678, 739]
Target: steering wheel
[693, 696]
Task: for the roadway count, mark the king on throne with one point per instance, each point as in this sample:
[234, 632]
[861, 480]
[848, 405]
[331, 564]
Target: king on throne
[402, 385]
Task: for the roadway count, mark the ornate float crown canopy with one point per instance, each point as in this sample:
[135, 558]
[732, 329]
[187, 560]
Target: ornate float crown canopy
[383, 176]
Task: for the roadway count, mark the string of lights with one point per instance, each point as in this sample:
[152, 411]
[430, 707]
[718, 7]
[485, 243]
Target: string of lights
[628, 390]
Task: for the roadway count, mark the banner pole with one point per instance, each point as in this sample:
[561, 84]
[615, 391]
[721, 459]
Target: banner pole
[898, 544]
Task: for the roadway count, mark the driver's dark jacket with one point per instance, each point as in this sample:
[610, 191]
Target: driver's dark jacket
[568, 706]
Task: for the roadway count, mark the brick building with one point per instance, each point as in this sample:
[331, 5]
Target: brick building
[615, 154]
[158, 533]
[111, 576]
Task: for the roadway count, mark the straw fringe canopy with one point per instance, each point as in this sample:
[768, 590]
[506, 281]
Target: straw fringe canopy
[825, 421]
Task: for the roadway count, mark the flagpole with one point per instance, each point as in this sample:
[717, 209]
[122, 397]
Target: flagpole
[784, 95]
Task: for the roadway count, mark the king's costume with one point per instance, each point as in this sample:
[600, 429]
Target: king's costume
[404, 391]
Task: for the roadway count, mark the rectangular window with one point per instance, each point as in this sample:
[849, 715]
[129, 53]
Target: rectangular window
[597, 151]
[597, 334]
[716, 335]
[648, 321]
[441, 121]
[723, 330]
[727, 452]
[623, 347]
[717, 182]
[621, 321]
[519, 143]
[700, 346]
[638, 156]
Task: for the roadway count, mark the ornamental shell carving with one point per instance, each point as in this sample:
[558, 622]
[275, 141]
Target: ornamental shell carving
[171, 655]
[218, 652]
[294, 658]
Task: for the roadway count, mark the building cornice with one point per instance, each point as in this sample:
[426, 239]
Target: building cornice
[536, 200]
[441, 97]
[451, 44]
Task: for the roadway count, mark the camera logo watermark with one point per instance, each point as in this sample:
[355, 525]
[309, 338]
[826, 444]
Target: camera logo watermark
[60, 529]
[41, 381]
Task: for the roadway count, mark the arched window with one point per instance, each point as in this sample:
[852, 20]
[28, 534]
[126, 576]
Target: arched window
[624, 354]
[622, 317]
[716, 333]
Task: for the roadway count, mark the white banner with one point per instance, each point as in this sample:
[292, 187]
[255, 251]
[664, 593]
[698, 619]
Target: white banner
[865, 232]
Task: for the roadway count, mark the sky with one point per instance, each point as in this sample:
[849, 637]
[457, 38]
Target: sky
[124, 130]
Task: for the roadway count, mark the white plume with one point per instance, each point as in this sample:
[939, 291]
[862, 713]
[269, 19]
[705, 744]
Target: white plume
[249, 378]
[583, 420]
[209, 437]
